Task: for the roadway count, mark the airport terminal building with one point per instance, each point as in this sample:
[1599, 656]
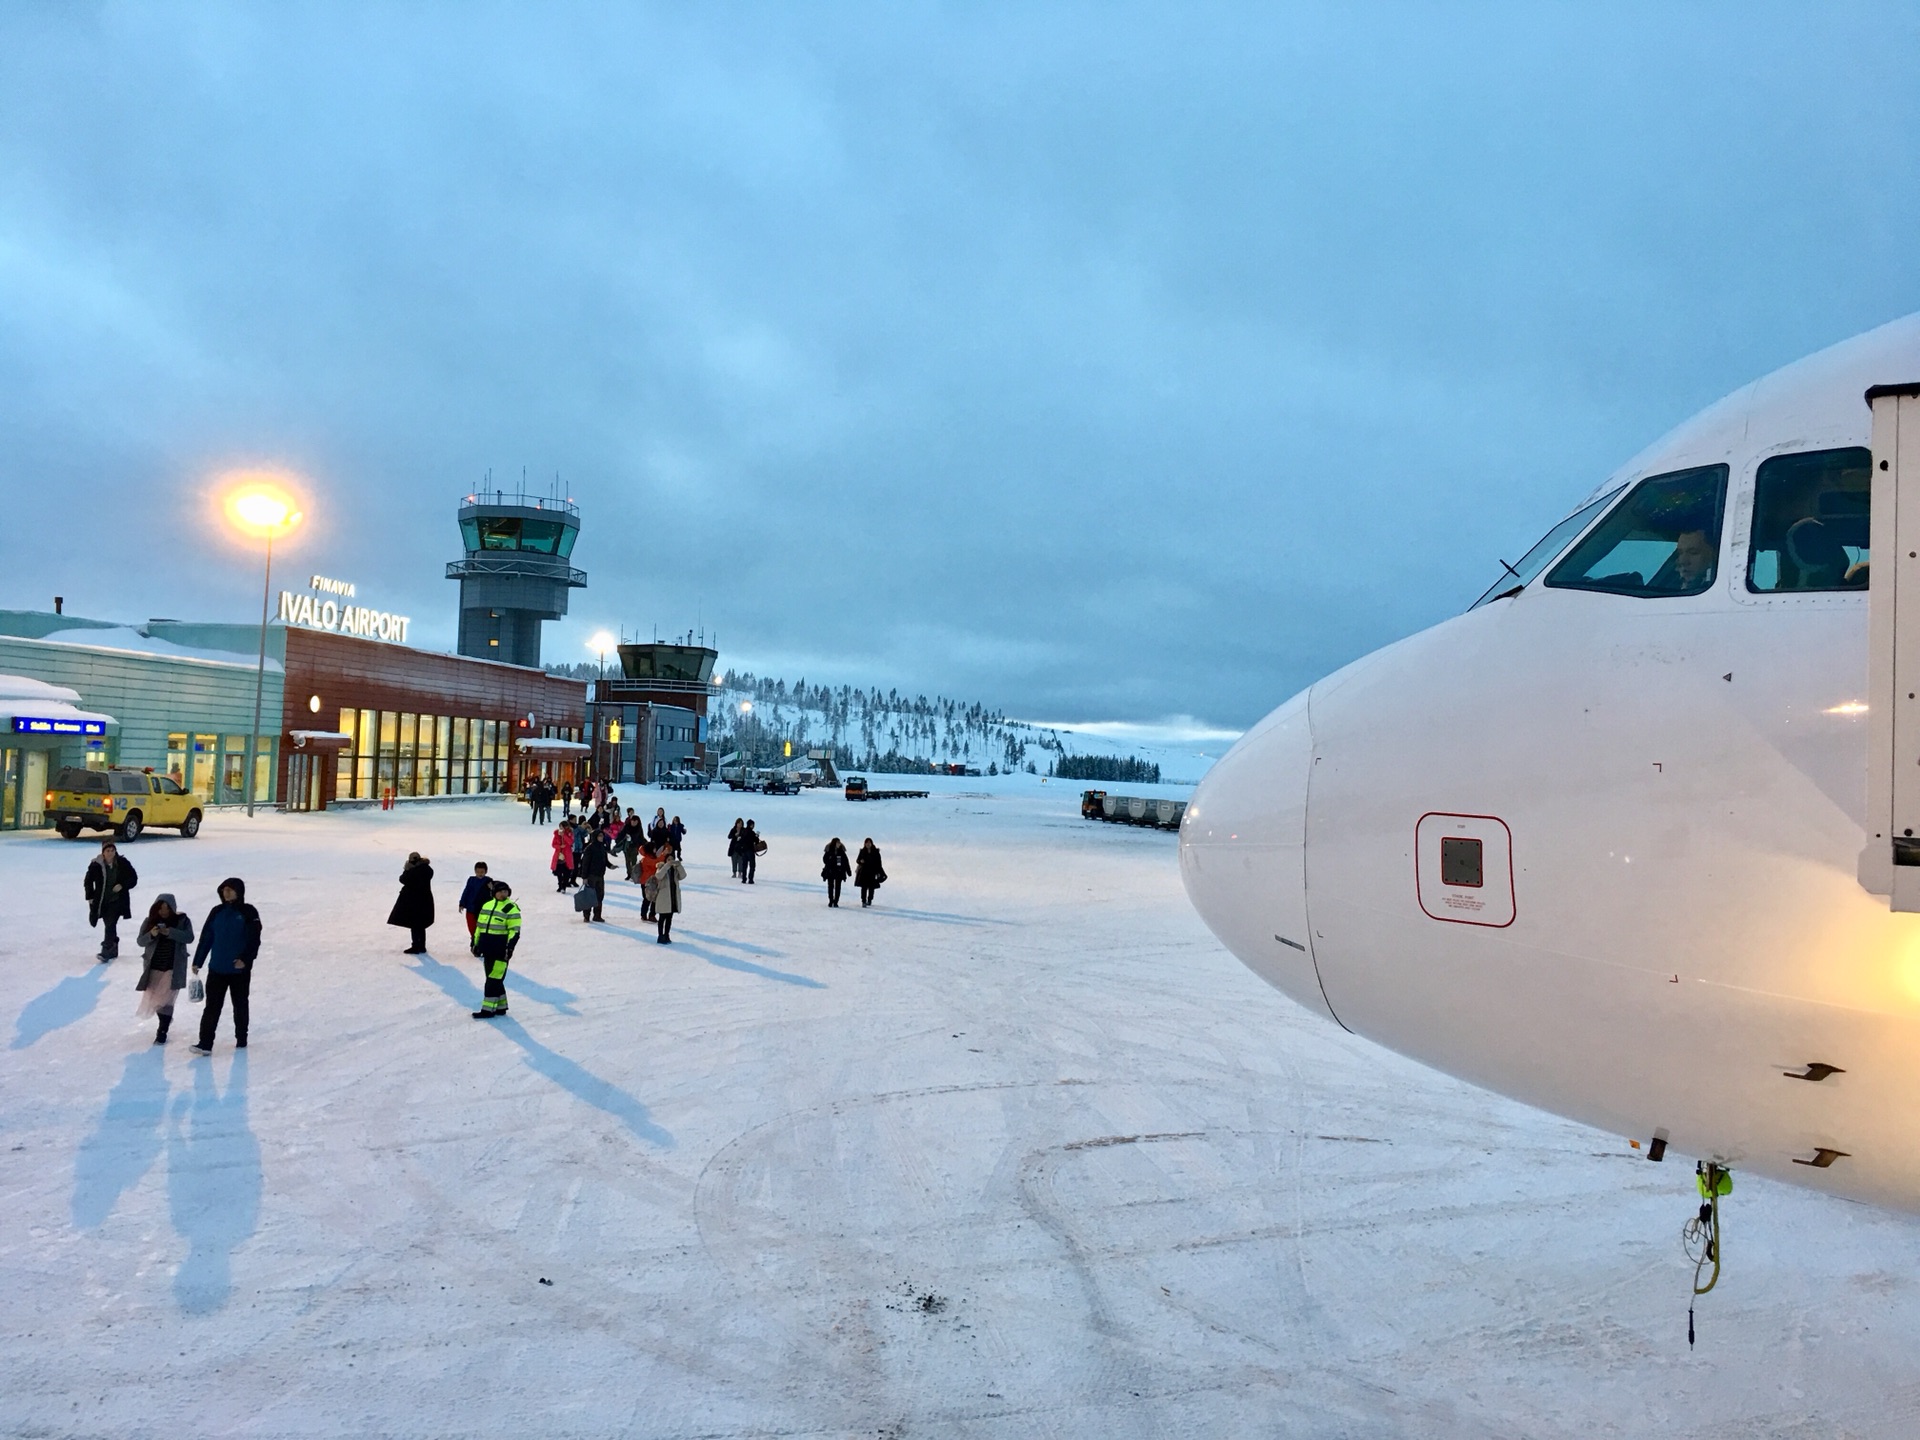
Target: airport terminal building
[349, 711]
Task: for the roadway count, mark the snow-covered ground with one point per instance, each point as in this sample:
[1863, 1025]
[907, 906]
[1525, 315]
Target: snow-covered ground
[1020, 1152]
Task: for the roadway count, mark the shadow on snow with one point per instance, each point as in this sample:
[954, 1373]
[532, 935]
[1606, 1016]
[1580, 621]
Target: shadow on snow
[569, 1075]
[214, 1180]
[71, 999]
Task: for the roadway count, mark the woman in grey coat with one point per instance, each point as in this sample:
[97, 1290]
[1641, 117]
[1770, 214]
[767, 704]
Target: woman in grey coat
[165, 936]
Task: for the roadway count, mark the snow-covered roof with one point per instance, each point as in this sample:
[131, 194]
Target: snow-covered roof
[125, 640]
[323, 738]
[23, 687]
[549, 746]
[47, 714]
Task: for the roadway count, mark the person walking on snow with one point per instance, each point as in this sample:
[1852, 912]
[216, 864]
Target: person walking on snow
[562, 862]
[649, 867]
[593, 878]
[413, 909]
[164, 937]
[666, 895]
[109, 890]
[868, 873]
[494, 940]
[733, 845]
[229, 946]
[751, 849]
[566, 799]
[835, 867]
[473, 895]
[676, 832]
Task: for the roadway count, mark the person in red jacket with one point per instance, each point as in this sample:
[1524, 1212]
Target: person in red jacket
[562, 864]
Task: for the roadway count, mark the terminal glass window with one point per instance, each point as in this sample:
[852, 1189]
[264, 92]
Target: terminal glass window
[177, 759]
[442, 770]
[1810, 522]
[406, 781]
[263, 770]
[1662, 540]
[457, 758]
[206, 756]
[514, 532]
[385, 774]
[233, 769]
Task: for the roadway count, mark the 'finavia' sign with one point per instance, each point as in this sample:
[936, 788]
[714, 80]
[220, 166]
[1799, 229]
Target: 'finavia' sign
[317, 612]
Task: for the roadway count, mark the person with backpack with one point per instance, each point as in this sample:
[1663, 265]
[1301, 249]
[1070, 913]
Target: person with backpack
[495, 937]
[108, 886]
[164, 937]
[868, 873]
[229, 946]
[835, 867]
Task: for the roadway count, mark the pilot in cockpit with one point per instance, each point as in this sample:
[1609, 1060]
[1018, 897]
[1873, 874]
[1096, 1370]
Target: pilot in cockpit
[1690, 567]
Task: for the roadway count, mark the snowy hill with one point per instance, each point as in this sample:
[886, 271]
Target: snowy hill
[887, 732]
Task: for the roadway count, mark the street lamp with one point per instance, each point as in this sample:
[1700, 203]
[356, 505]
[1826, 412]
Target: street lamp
[261, 509]
[746, 714]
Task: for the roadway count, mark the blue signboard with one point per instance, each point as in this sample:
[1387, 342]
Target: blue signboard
[36, 725]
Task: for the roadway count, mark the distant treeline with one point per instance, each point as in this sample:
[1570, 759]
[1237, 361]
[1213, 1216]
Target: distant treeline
[1122, 768]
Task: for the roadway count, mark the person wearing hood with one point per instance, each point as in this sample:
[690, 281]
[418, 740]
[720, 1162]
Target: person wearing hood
[109, 889]
[562, 862]
[413, 909]
[835, 867]
[164, 937]
[868, 873]
[229, 945]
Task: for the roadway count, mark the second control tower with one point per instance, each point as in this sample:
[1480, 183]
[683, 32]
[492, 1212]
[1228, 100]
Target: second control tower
[516, 573]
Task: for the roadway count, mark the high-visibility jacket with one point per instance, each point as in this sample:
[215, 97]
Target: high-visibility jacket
[497, 930]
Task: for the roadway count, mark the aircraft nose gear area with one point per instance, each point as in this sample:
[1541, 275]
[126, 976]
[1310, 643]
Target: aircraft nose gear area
[1700, 1236]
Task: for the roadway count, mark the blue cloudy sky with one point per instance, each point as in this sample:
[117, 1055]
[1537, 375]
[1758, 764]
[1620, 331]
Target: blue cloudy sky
[1101, 362]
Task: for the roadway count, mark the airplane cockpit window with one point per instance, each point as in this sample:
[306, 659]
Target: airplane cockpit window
[1810, 522]
[1515, 577]
[1662, 540]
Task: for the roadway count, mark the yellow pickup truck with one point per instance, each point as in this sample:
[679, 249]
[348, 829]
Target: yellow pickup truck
[123, 801]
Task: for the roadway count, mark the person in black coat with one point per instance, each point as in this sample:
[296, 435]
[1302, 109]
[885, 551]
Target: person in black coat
[750, 847]
[593, 871]
[109, 889]
[413, 910]
[868, 873]
[835, 867]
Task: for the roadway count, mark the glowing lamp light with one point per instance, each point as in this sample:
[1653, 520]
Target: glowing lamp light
[263, 509]
[601, 643]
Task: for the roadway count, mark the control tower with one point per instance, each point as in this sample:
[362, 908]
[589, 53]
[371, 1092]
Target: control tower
[516, 572]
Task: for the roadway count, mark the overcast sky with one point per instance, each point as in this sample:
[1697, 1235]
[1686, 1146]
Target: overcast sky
[1101, 363]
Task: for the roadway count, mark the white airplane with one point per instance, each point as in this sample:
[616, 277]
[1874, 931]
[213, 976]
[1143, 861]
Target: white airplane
[1634, 839]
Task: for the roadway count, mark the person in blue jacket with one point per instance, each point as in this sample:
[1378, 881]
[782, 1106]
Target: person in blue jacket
[229, 944]
[479, 890]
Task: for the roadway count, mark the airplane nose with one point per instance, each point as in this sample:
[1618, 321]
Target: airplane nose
[1243, 852]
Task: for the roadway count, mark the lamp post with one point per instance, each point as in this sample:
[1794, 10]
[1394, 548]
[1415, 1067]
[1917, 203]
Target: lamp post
[266, 511]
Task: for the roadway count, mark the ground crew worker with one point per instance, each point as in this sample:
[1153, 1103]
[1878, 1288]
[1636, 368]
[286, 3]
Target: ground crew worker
[495, 934]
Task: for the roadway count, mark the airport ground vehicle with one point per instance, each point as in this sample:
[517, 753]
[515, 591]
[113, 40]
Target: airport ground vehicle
[1132, 809]
[684, 780]
[858, 789]
[123, 801]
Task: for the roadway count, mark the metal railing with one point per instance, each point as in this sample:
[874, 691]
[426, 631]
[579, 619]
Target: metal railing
[518, 563]
[474, 499]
